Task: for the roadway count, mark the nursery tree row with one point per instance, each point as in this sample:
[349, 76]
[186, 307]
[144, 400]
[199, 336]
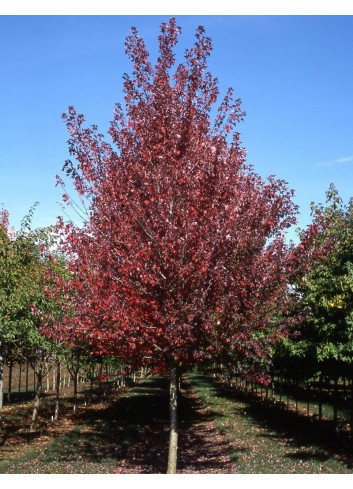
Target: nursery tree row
[26, 259]
[182, 256]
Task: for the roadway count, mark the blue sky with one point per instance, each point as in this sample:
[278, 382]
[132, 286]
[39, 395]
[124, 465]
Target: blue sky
[294, 75]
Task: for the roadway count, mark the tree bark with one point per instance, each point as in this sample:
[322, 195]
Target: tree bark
[37, 399]
[173, 433]
[9, 391]
[335, 401]
[57, 387]
[1, 384]
[20, 378]
[48, 378]
[26, 376]
[351, 406]
[54, 379]
[320, 399]
[34, 376]
[75, 390]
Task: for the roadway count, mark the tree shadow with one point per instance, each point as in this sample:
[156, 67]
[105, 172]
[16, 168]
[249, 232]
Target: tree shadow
[133, 434]
[302, 431]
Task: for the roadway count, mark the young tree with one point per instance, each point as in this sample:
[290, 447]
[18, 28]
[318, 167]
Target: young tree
[182, 254]
[323, 345]
[23, 264]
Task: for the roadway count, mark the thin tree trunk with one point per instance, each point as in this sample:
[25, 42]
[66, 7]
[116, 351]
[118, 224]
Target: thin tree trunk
[1, 384]
[100, 379]
[26, 377]
[335, 402]
[273, 392]
[48, 379]
[75, 390]
[57, 387]
[37, 399]
[173, 433]
[54, 379]
[351, 406]
[9, 392]
[20, 378]
[320, 399]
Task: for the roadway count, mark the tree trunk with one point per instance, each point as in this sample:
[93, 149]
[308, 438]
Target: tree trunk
[37, 399]
[10, 383]
[20, 378]
[335, 403]
[48, 379]
[75, 390]
[351, 406]
[57, 388]
[173, 433]
[308, 399]
[100, 379]
[34, 377]
[320, 399]
[1, 384]
[26, 377]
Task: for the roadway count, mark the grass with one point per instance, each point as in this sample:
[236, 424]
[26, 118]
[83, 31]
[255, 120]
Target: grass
[267, 440]
[127, 432]
[104, 433]
[309, 397]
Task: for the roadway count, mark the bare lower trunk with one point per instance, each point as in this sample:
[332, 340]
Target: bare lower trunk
[20, 378]
[320, 399]
[173, 433]
[351, 406]
[75, 390]
[1, 385]
[37, 400]
[335, 403]
[100, 379]
[26, 376]
[48, 379]
[9, 391]
[57, 387]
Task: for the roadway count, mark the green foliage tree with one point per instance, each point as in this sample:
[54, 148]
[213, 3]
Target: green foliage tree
[24, 259]
[322, 345]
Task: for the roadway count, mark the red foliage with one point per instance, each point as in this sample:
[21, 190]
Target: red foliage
[183, 254]
[4, 219]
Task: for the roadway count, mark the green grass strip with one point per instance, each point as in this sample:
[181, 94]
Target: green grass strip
[266, 441]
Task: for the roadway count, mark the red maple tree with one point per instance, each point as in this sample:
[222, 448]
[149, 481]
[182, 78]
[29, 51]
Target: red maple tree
[182, 254]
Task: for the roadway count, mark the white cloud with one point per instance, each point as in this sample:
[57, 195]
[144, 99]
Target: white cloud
[335, 162]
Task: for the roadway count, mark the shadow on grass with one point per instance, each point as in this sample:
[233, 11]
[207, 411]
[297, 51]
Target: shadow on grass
[109, 433]
[133, 432]
[301, 430]
[304, 455]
